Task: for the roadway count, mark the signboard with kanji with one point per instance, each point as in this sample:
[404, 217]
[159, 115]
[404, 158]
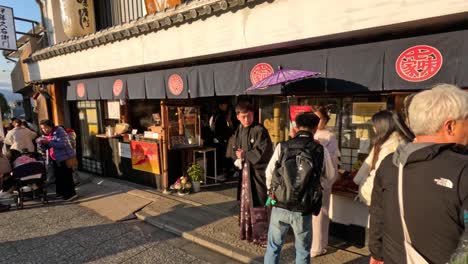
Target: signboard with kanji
[7, 29]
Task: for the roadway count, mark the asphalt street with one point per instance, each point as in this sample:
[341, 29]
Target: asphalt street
[68, 233]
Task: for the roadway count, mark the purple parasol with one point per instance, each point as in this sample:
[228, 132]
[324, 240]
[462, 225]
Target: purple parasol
[282, 76]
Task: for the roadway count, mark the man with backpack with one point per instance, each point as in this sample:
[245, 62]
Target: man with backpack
[298, 170]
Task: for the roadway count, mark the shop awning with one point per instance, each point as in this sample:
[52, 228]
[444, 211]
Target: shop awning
[462, 73]
[136, 86]
[307, 61]
[86, 89]
[77, 91]
[421, 62]
[229, 78]
[92, 89]
[201, 81]
[71, 90]
[113, 88]
[176, 83]
[403, 64]
[154, 83]
[256, 70]
[356, 68]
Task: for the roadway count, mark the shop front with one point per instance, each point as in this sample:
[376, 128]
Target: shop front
[160, 115]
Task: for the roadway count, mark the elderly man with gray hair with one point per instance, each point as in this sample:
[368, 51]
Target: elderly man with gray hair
[419, 206]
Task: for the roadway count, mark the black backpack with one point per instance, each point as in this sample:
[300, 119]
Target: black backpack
[296, 180]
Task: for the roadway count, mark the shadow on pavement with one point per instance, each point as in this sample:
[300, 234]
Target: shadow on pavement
[106, 242]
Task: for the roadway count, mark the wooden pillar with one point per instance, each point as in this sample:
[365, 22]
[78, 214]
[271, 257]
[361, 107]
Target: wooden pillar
[164, 141]
[56, 101]
[276, 123]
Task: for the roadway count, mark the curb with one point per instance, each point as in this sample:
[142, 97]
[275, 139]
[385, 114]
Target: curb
[244, 258]
[104, 181]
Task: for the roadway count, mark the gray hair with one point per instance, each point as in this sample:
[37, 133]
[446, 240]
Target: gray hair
[429, 109]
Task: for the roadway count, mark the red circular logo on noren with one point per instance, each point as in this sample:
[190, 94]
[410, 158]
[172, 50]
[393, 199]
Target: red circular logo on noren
[118, 87]
[80, 90]
[419, 63]
[260, 72]
[175, 84]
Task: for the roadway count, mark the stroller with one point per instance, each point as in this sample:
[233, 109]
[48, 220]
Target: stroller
[29, 175]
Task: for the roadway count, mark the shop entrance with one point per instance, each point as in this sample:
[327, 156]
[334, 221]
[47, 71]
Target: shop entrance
[89, 128]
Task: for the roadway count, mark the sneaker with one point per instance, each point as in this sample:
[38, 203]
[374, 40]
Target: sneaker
[69, 199]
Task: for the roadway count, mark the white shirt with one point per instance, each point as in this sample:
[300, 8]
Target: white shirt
[365, 176]
[20, 138]
[328, 175]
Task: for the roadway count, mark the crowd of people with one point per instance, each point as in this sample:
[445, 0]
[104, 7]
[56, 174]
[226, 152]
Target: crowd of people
[55, 143]
[414, 181]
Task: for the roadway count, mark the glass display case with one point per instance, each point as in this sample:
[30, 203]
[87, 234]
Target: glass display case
[278, 113]
[350, 121]
[183, 126]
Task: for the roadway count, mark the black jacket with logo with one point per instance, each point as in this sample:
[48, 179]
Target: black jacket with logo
[435, 194]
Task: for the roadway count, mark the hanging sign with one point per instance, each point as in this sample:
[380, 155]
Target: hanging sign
[7, 29]
[175, 84]
[419, 63]
[260, 72]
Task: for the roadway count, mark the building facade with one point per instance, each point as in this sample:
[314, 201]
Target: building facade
[139, 67]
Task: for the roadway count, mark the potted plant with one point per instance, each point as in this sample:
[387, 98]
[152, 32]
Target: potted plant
[195, 172]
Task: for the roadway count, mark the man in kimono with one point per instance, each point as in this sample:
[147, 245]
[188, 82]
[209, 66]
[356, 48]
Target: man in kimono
[252, 144]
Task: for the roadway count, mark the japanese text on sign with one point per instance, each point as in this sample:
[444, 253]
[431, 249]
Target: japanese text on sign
[7, 29]
[419, 63]
[83, 14]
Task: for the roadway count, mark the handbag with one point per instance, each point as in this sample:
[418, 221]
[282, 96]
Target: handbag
[412, 255]
[72, 163]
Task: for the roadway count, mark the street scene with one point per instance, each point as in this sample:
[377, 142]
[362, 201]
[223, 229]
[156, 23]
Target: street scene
[70, 233]
[234, 131]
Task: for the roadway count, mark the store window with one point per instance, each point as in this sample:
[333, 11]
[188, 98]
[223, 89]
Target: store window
[277, 113]
[357, 131]
[184, 126]
[350, 121]
[89, 128]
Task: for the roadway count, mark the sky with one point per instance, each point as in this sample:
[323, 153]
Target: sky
[28, 9]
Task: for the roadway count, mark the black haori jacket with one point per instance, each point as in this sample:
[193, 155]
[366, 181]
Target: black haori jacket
[435, 194]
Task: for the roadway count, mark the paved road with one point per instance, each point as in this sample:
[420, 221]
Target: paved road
[69, 233]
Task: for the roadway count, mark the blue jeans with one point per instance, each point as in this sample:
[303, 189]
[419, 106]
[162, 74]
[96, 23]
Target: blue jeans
[280, 221]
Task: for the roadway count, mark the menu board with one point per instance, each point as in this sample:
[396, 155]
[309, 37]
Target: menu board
[363, 112]
[113, 110]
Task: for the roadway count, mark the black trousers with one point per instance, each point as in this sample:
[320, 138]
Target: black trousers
[63, 179]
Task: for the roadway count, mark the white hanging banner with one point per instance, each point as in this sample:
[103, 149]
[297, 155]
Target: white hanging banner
[7, 29]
